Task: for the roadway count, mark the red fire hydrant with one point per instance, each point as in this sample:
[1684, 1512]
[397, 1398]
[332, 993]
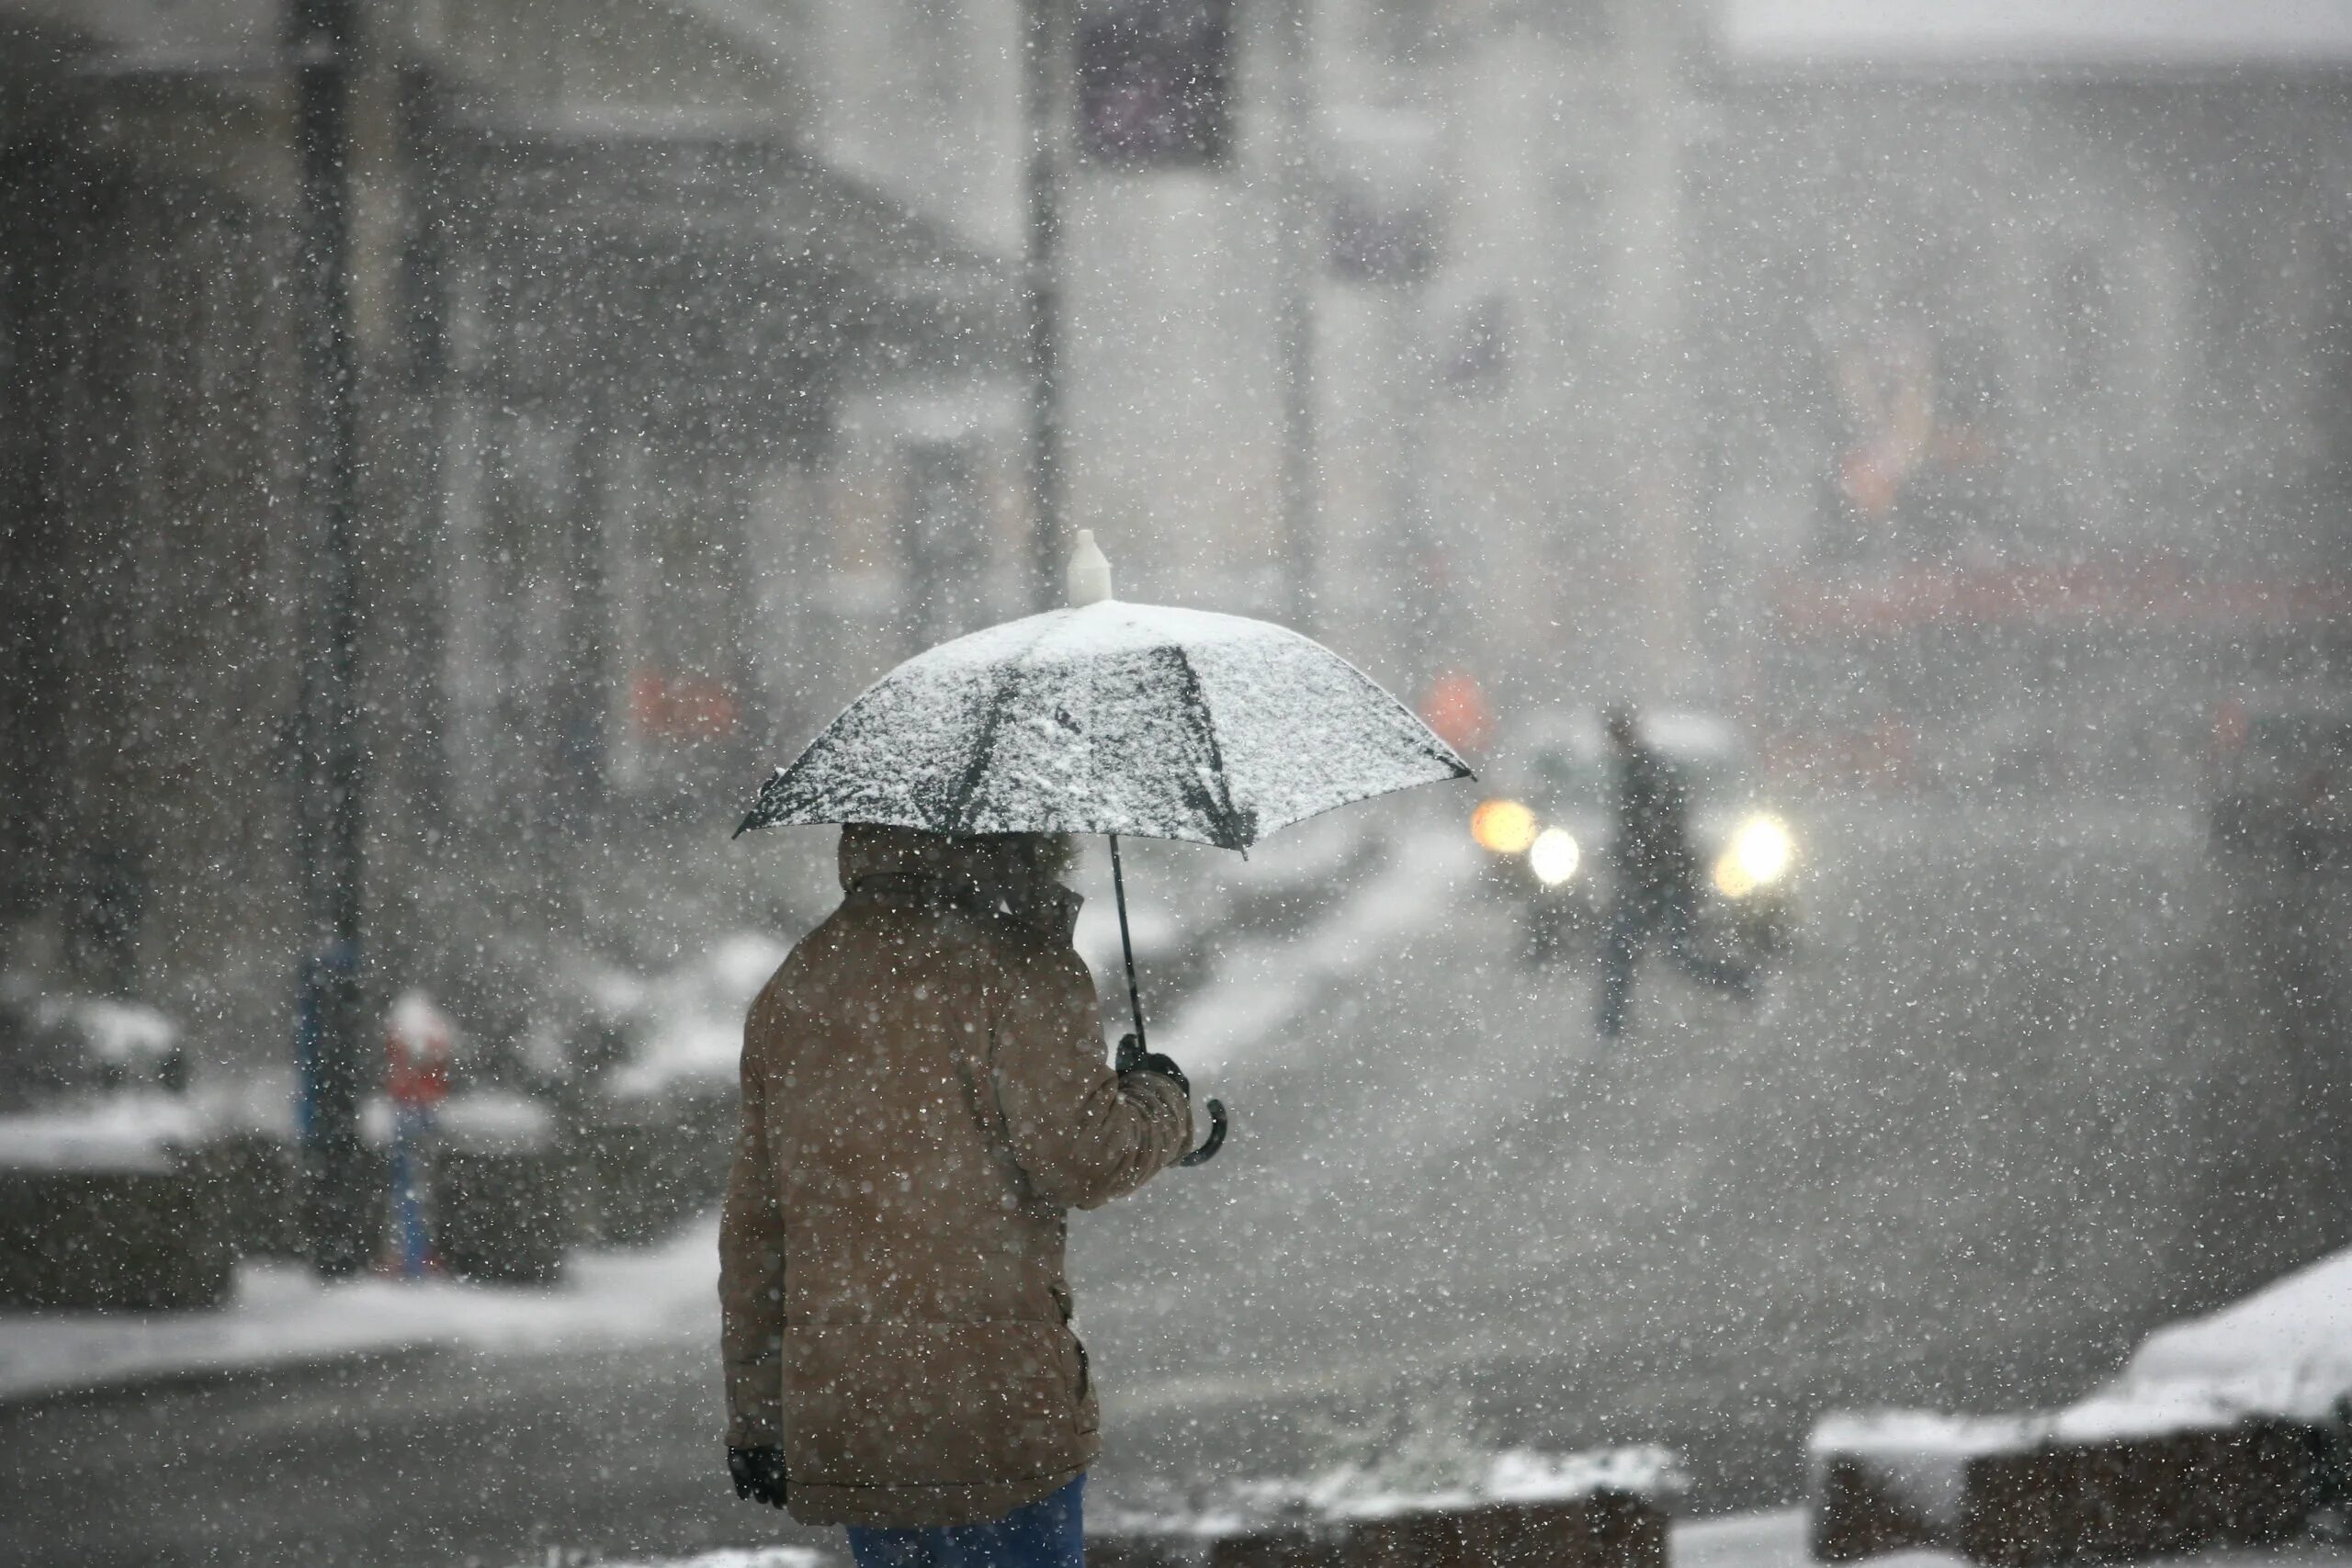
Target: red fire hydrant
[419, 1041]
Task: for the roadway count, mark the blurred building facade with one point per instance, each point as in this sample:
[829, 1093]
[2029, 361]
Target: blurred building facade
[1938, 381]
[1722, 352]
[622, 332]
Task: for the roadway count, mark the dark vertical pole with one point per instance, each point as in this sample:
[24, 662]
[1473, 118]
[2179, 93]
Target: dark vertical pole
[1044, 60]
[1298, 202]
[322, 37]
[583, 685]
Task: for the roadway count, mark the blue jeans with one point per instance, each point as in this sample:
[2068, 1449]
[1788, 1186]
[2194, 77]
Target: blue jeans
[1047, 1533]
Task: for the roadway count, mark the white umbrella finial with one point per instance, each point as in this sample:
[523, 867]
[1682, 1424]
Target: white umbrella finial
[1090, 571]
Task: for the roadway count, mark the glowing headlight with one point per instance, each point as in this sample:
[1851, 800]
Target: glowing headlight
[1759, 854]
[1503, 826]
[1553, 856]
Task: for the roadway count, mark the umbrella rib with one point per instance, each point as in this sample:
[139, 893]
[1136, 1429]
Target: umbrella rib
[1189, 683]
[959, 800]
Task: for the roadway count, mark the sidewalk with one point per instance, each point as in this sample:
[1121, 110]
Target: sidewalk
[282, 1316]
[1777, 1539]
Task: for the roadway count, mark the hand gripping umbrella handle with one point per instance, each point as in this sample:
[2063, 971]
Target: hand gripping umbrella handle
[1216, 1139]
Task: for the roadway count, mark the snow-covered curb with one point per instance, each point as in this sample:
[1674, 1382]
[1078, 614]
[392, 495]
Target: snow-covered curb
[281, 1315]
[2281, 1355]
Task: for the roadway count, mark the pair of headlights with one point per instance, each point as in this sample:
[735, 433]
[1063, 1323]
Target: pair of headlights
[1508, 827]
[1760, 853]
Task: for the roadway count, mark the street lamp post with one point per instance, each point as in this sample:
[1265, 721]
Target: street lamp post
[322, 38]
[1297, 254]
[1045, 60]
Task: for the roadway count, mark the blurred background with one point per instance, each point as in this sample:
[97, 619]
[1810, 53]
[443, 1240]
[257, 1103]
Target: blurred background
[450, 451]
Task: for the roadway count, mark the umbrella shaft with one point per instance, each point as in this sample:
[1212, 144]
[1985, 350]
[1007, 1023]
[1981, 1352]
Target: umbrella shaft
[1127, 946]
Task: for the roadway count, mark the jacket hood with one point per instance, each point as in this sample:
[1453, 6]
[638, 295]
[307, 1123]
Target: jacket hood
[871, 850]
[979, 870]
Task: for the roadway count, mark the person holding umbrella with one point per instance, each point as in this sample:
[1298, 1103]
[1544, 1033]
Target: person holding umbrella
[925, 1099]
[924, 1091]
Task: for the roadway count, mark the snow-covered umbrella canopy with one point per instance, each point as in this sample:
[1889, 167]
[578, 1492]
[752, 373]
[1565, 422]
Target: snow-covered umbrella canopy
[1112, 717]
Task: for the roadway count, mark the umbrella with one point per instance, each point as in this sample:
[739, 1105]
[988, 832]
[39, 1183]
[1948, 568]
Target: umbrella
[1112, 718]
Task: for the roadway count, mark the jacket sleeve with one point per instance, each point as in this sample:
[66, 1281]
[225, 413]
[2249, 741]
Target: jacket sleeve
[750, 1269]
[1081, 1133]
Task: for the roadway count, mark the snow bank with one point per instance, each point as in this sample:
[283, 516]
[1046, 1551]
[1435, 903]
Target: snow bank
[282, 1315]
[728, 1556]
[121, 1033]
[2286, 1349]
[1514, 1475]
[1358, 1492]
[141, 1132]
[474, 1122]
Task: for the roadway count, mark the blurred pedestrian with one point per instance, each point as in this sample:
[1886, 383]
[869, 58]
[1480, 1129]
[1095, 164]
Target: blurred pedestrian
[925, 1099]
[1657, 877]
[419, 1042]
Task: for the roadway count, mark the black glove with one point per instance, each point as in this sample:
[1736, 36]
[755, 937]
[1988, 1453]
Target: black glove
[1134, 1058]
[758, 1474]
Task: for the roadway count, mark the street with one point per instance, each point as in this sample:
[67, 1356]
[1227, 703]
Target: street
[1958, 1156]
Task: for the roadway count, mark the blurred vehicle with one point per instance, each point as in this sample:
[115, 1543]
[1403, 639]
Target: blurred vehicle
[1549, 830]
[2281, 789]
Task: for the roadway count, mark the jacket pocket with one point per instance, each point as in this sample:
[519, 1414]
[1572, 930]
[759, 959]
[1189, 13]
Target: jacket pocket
[1090, 1408]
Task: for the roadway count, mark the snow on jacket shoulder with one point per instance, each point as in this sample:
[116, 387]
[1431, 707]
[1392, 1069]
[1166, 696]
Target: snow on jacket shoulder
[924, 1098]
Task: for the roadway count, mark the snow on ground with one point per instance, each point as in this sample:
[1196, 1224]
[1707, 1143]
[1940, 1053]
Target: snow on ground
[1263, 985]
[1515, 1475]
[282, 1315]
[1436, 1473]
[728, 1556]
[1774, 1540]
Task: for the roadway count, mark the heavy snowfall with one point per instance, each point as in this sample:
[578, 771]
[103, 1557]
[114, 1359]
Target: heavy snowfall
[1735, 618]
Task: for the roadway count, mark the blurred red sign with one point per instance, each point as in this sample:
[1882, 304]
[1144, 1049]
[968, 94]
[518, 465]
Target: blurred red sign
[680, 707]
[1456, 708]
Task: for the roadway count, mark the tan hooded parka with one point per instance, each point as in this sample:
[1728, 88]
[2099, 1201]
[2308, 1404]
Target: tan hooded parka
[925, 1099]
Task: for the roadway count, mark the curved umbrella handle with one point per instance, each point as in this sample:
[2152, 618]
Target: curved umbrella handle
[1214, 1142]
